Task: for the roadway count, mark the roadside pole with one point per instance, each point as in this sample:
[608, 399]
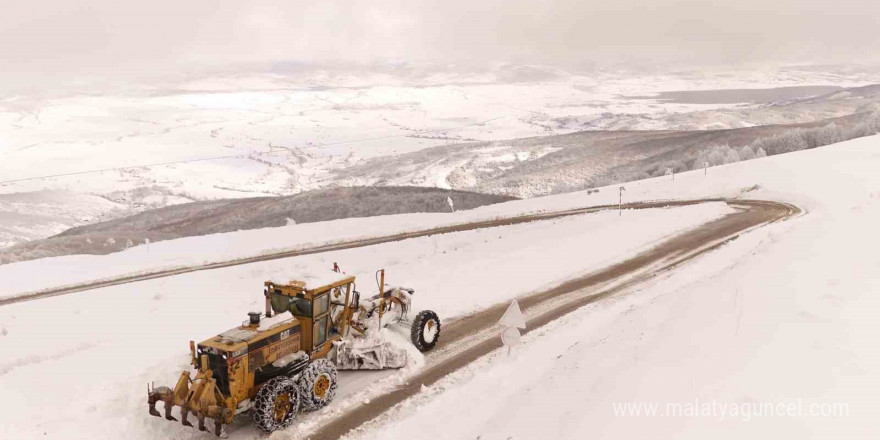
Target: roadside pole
[620, 201]
[512, 320]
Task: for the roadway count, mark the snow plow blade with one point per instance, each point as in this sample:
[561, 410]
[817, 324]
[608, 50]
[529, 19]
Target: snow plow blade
[368, 354]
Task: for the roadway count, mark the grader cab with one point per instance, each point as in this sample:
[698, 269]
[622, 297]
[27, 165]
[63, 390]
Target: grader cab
[286, 359]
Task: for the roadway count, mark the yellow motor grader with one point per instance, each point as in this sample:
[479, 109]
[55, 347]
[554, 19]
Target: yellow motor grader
[286, 359]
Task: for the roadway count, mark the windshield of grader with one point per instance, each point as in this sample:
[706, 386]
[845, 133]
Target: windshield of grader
[297, 306]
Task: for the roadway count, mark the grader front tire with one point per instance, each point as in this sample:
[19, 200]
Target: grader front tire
[425, 330]
[276, 404]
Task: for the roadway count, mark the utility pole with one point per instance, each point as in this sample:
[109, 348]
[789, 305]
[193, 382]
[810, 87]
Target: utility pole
[705, 168]
[620, 201]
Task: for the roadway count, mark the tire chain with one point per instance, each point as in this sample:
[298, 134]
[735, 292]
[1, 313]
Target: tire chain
[264, 404]
[306, 384]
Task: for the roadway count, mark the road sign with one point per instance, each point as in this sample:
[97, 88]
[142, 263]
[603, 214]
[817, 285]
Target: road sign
[510, 336]
[513, 317]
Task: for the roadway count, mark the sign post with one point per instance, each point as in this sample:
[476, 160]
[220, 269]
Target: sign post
[512, 320]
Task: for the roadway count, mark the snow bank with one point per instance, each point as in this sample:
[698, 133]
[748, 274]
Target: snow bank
[784, 317]
[29, 276]
[110, 342]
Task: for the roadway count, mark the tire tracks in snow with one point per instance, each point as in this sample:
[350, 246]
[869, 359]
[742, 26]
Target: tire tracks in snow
[507, 221]
[471, 337]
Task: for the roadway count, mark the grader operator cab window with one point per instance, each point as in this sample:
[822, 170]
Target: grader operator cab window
[322, 311]
[322, 304]
[338, 297]
[299, 306]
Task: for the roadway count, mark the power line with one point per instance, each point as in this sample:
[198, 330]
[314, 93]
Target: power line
[242, 156]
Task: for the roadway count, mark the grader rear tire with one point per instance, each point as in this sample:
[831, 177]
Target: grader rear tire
[317, 384]
[425, 330]
[276, 404]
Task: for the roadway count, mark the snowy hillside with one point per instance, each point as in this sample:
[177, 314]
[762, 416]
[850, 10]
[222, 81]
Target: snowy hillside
[783, 313]
[30, 216]
[283, 133]
[770, 336]
[210, 217]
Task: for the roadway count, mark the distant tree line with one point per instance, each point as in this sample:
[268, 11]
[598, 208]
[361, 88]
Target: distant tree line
[792, 140]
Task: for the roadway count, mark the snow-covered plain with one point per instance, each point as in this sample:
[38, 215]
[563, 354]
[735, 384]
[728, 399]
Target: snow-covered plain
[784, 315]
[99, 348]
[284, 134]
[28, 216]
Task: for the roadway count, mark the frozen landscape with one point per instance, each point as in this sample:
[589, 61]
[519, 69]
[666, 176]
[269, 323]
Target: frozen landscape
[280, 133]
[746, 322]
[781, 315]
[384, 220]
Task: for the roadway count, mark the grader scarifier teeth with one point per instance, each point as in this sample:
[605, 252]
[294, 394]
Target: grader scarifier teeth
[184, 413]
[200, 401]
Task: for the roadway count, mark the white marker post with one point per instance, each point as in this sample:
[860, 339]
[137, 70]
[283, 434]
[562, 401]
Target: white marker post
[451, 205]
[620, 200]
[512, 320]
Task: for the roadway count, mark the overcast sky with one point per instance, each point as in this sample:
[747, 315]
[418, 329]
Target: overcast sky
[73, 37]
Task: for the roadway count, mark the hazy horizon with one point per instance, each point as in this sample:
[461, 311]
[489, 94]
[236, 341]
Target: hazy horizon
[57, 42]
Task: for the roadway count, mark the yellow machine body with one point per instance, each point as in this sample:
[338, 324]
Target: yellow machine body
[234, 365]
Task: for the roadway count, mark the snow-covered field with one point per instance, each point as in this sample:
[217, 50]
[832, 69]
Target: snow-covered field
[29, 216]
[772, 335]
[99, 348]
[191, 251]
[282, 134]
[783, 313]
[780, 314]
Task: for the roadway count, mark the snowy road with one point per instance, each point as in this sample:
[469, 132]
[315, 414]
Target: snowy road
[467, 339]
[126, 279]
[123, 336]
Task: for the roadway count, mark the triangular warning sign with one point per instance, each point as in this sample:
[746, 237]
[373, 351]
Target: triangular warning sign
[513, 317]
